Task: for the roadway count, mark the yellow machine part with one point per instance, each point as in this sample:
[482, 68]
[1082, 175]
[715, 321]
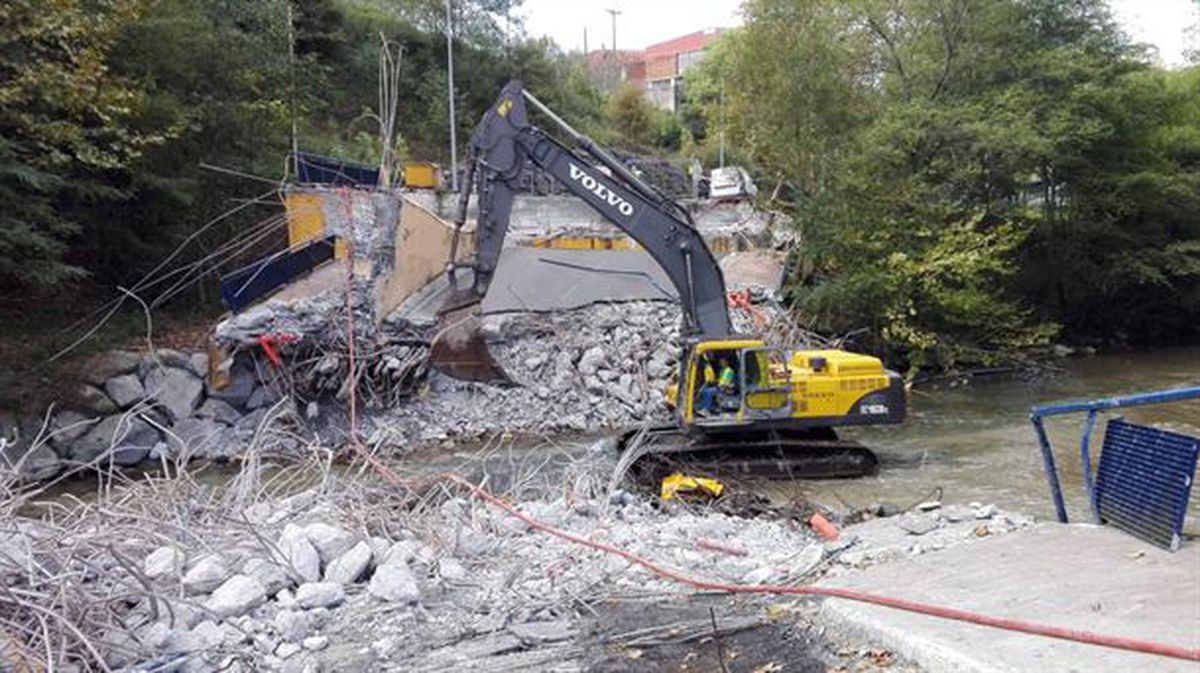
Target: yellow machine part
[680, 484]
[820, 383]
[583, 243]
[306, 221]
[422, 175]
[829, 382]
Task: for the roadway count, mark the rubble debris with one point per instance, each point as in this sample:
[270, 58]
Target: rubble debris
[451, 582]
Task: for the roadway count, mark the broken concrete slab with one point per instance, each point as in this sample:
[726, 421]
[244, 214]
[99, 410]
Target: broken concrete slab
[1073, 576]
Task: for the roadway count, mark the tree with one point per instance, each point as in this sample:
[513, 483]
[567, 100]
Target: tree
[63, 128]
[967, 174]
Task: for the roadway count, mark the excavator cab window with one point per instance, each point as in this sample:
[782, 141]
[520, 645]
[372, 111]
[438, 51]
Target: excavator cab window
[766, 386]
[717, 383]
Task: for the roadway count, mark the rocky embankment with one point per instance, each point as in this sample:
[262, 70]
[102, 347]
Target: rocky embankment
[130, 407]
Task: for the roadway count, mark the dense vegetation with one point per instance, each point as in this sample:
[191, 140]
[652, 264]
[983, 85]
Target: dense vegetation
[968, 176]
[108, 108]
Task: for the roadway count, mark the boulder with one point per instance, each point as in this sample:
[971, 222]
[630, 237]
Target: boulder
[69, 426]
[351, 565]
[237, 596]
[177, 391]
[90, 399]
[163, 562]
[320, 595]
[394, 582]
[330, 541]
[403, 551]
[31, 463]
[198, 363]
[164, 357]
[209, 573]
[194, 437]
[315, 643]
[287, 650]
[299, 554]
[273, 578]
[218, 410]
[241, 386]
[107, 365]
[263, 396]
[450, 569]
[470, 543]
[128, 437]
[125, 390]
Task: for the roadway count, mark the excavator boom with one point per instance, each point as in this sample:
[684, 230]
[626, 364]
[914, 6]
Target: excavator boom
[499, 149]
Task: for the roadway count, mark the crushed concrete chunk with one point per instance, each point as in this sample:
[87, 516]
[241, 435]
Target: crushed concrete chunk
[320, 595]
[163, 562]
[351, 565]
[208, 574]
[237, 596]
[394, 582]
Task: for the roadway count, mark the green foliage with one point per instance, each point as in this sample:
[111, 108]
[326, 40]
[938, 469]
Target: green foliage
[968, 175]
[110, 108]
[62, 130]
[634, 124]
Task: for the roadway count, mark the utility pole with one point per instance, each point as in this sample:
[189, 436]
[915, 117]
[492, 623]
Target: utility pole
[291, 35]
[585, 51]
[450, 82]
[614, 13]
[721, 150]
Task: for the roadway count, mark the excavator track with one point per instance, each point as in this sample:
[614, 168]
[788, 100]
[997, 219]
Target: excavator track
[792, 454]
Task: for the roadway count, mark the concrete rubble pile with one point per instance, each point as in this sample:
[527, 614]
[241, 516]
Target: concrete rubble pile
[599, 367]
[311, 583]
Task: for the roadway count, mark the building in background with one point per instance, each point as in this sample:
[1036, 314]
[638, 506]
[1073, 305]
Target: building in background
[666, 63]
[607, 70]
[659, 68]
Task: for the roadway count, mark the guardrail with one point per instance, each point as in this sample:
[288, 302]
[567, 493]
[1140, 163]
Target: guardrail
[1093, 409]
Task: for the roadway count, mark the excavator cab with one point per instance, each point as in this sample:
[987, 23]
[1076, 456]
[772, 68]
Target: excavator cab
[729, 382]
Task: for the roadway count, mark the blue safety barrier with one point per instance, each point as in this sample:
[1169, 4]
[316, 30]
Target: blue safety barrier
[1148, 471]
[316, 169]
[250, 283]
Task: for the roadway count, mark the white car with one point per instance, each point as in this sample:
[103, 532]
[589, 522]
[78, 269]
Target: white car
[731, 183]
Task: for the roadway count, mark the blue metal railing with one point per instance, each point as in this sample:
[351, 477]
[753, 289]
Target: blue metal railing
[1093, 409]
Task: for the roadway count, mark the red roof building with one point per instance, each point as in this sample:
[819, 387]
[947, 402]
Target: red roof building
[659, 68]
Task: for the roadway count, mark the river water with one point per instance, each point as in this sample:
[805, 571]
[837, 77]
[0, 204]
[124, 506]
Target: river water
[975, 441]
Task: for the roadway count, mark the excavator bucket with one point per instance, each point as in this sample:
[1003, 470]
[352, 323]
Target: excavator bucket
[459, 350]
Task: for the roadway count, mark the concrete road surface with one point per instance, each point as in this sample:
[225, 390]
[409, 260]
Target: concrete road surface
[1075, 576]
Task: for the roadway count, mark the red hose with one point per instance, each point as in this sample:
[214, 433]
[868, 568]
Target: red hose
[1075, 635]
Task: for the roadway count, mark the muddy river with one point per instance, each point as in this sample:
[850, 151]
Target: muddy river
[975, 442]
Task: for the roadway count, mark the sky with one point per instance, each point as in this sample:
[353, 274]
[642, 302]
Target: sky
[1162, 23]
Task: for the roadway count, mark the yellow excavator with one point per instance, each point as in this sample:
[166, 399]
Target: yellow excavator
[773, 412]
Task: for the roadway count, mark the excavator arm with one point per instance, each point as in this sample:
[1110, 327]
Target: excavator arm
[499, 149]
